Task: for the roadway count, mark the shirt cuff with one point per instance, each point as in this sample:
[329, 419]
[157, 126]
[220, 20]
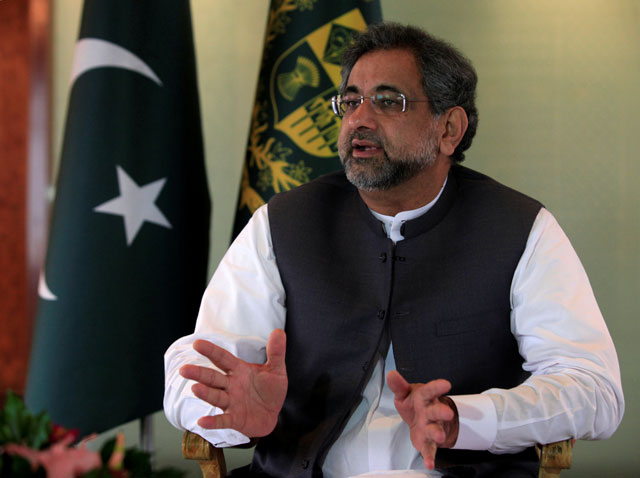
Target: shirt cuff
[221, 438]
[194, 408]
[478, 422]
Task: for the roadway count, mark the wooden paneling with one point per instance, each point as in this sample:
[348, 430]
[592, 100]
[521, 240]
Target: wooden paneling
[16, 83]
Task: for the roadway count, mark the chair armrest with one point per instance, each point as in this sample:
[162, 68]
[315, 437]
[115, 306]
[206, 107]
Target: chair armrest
[211, 459]
[555, 457]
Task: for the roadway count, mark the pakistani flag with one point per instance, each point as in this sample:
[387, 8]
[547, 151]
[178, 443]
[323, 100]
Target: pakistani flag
[127, 258]
[293, 134]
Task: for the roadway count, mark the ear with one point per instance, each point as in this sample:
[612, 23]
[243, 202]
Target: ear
[455, 125]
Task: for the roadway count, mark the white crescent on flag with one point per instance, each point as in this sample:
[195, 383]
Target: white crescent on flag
[43, 289]
[93, 53]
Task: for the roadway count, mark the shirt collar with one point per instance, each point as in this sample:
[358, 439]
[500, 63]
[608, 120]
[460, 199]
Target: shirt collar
[393, 224]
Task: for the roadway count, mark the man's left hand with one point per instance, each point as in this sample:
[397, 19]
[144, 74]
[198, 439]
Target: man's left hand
[432, 417]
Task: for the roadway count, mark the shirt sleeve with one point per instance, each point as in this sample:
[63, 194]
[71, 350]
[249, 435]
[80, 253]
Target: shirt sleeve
[242, 305]
[574, 390]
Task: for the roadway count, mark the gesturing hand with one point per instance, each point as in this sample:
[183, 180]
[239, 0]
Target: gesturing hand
[250, 395]
[432, 418]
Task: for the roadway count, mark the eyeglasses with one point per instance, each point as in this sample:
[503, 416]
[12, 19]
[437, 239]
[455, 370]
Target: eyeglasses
[383, 104]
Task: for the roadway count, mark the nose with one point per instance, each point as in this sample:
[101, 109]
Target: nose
[364, 116]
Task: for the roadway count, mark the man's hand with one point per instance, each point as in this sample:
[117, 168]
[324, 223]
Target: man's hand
[250, 395]
[432, 418]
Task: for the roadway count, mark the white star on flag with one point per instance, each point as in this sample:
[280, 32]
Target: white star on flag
[135, 204]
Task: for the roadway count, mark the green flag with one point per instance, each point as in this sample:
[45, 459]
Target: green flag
[293, 134]
[127, 258]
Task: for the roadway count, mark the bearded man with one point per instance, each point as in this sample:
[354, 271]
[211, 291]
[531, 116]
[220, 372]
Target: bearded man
[406, 313]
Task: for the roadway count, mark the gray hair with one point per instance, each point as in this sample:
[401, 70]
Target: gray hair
[448, 78]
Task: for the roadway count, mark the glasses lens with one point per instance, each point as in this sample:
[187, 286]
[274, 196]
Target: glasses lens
[349, 103]
[388, 103]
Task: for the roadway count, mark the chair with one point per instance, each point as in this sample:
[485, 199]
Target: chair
[211, 459]
[554, 457]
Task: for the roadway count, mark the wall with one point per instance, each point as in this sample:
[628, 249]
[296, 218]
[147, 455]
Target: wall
[14, 126]
[558, 96]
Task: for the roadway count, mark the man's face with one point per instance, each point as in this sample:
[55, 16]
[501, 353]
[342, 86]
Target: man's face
[377, 151]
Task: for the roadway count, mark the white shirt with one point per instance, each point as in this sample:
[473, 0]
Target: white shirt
[574, 390]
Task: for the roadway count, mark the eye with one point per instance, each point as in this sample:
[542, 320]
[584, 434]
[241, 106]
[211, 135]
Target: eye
[389, 103]
[351, 102]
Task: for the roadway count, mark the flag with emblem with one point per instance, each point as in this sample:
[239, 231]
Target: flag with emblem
[127, 257]
[293, 134]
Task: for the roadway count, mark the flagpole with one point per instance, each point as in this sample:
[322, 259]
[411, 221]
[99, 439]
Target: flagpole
[146, 434]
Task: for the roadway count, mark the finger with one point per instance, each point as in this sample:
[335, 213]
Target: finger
[222, 359]
[213, 396]
[433, 389]
[207, 376]
[437, 411]
[428, 452]
[398, 385]
[434, 433]
[216, 422]
[276, 350]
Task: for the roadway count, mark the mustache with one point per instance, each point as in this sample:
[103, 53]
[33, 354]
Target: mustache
[363, 135]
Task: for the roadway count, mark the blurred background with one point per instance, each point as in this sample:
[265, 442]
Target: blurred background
[558, 95]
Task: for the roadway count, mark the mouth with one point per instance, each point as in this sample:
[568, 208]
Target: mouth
[363, 148]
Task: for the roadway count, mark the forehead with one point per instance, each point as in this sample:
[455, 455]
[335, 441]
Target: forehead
[386, 68]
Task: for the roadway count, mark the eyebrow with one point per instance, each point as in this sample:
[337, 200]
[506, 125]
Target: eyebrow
[381, 87]
[384, 87]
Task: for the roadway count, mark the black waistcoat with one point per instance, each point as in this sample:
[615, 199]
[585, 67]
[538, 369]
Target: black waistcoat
[442, 294]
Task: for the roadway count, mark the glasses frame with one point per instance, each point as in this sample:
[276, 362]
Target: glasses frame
[336, 101]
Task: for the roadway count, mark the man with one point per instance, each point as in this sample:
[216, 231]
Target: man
[465, 294]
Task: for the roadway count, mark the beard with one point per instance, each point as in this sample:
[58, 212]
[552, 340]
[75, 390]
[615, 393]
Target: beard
[397, 164]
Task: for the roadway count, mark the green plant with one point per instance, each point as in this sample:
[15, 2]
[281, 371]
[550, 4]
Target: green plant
[31, 446]
[19, 425]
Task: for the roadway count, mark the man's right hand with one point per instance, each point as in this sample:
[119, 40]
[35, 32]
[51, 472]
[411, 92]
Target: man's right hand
[250, 395]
